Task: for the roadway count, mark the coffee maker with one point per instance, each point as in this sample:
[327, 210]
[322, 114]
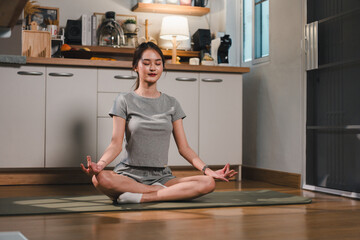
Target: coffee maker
[223, 50]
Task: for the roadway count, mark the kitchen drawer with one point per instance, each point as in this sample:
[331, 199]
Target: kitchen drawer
[105, 102]
[116, 80]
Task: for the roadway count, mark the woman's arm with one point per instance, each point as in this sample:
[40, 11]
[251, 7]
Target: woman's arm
[115, 147]
[186, 151]
[112, 151]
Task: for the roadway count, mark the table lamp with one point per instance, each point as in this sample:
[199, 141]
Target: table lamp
[174, 28]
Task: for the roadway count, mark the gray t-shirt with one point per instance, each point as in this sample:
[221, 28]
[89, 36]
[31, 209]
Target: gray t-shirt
[148, 127]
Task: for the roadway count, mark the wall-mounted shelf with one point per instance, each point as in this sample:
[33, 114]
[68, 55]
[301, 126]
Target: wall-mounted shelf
[170, 9]
[181, 53]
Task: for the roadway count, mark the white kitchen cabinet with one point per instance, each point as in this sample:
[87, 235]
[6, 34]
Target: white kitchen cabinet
[220, 118]
[121, 80]
[55, 116]
[105, 103]
[71, 99]
[22, 116]
[184, 86]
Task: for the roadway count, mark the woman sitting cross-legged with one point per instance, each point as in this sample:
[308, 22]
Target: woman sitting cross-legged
[147, 117]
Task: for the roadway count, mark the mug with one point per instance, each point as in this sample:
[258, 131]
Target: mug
[200, 3]
[52, 29]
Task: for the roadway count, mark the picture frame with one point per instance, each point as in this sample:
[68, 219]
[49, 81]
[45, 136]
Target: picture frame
[119, 18]
[44, 16]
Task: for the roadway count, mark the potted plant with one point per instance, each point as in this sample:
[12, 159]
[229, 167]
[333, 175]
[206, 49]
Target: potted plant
[130, 25]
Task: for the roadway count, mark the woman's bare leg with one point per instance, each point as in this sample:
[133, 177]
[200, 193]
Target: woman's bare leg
[181, 189]
[113, 184]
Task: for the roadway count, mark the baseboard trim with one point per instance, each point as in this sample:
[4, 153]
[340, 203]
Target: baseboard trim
[74, 176]
[272, 176]
[43, 176]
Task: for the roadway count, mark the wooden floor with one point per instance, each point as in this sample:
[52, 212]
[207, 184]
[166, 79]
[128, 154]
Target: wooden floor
[328, 217]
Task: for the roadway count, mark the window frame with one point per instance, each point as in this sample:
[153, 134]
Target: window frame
[254, 61]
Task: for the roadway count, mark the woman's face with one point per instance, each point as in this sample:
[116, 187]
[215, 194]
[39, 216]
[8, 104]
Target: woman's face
[150, 67]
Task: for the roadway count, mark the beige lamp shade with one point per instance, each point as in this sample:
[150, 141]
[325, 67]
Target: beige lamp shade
[174, 26]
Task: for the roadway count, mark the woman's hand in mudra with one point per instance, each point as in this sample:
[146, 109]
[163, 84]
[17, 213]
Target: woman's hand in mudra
[222, 174]
[92, 168]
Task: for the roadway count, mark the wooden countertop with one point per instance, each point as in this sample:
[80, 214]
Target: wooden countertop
[127, 65]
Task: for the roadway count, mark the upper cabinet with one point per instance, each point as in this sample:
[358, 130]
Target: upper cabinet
[10, 12]
[170, 9]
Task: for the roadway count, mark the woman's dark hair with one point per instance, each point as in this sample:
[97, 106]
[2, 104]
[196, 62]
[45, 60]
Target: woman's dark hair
[138, 54]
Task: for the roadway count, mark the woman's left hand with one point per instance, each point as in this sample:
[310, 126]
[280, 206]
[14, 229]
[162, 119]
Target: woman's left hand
[222, 174]
[92, 168]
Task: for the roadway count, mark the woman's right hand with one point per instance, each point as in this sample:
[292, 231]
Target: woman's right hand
[92, 168]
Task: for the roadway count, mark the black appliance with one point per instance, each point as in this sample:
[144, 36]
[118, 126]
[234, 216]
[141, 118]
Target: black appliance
[200, 3]
[202, 41]
[223, 50]
[73, 32]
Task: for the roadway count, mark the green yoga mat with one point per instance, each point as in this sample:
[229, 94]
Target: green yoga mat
[100, 203]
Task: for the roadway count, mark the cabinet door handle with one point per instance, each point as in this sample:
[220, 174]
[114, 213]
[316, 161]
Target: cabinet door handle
[63, 74]
[32, 73]
[185, 79]
[127, 77]
[211, 80]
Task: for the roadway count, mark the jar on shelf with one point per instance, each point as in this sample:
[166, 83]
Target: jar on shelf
[172, 2]
[110, 33]
[185, 2]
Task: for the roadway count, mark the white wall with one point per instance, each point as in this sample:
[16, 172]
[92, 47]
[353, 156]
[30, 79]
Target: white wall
[73, 9]
[233, 27]
[273, 135]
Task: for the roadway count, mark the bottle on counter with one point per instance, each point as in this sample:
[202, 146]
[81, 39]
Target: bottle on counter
[110, 33]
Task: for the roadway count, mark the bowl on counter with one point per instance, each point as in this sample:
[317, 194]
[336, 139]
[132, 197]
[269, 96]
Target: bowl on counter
[79, 54]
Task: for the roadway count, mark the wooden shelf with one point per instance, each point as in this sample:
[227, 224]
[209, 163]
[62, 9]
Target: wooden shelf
[171, 9]
[181, 53]
[130, 51]
[108, 50]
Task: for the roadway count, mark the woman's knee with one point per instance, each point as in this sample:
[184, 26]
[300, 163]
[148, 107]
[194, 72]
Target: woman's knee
[103, 179]
[208, 185]
[95, 181]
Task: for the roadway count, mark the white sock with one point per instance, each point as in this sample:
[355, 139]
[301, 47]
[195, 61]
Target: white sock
[159, 184]
[129, 197]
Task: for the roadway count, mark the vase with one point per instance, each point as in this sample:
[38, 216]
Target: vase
[130, 27]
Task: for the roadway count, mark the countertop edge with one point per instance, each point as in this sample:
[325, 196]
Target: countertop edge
[127, 65]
